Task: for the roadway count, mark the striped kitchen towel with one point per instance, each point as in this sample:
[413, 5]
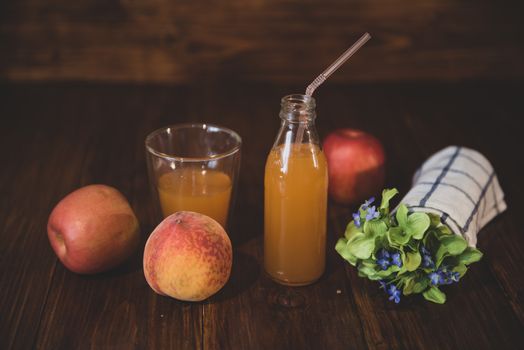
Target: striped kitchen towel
[460, 185]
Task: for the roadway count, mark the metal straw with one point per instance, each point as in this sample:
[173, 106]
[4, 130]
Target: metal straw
[330, 70]
[338, 62]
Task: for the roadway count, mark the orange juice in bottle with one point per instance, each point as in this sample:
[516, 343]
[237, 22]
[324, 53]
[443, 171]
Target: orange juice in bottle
[192, 189]
[295, 197]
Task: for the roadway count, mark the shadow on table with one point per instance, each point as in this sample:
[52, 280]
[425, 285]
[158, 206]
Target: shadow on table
[244, 273]
[133, 264]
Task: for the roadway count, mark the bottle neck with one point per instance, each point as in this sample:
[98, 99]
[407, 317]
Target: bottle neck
[298, 121]
[297, 109]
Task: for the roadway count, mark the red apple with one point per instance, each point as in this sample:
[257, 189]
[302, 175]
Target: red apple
[93, 229]
[355, 165]
[188, 257]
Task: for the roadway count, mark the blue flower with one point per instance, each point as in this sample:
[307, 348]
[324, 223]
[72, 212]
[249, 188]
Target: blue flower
[448, 277]
[368, 203]
[383, 263]
[356, 219]
[396, 260]
[383, 254]
[443, 276]
[434, 278]
[427, 261]
[455, 276]
[394, 293]
[385, 259]
[372, 213]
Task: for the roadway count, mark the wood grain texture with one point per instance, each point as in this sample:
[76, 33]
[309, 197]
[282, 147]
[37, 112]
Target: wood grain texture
[261, 40]
[57, 137]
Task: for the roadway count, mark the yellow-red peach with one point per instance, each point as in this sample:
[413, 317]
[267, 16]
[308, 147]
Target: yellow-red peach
[188, 257]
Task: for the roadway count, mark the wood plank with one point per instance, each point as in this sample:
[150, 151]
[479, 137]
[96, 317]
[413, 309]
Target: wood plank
[415, 323]
[493, 128]
[252, 312]
[115, 309]
[412, 324]
[166, 41]
[92, 139]
[84, 133]
[30, 164]
[260, 314]
[469, 119]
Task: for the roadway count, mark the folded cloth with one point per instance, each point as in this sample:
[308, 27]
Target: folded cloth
[460, 185]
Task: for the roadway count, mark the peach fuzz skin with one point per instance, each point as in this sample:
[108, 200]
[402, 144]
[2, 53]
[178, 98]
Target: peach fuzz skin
[356, 165]
[188, 257]
[93, 229]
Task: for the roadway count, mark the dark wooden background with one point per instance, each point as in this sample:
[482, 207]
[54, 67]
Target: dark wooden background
[262, 40]
[83, 82]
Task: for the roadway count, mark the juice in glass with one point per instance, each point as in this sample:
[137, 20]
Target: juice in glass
[295, 210]
[193, 189]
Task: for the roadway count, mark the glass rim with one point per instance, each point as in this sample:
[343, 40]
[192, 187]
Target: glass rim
[202, 126]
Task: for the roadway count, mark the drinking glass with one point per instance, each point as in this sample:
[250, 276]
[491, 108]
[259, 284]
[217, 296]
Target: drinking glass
[193, 167]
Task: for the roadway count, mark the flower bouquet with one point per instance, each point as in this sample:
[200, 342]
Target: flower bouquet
[407, 253]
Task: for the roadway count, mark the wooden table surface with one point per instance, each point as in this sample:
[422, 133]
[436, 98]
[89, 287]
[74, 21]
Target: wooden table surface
[58, 137]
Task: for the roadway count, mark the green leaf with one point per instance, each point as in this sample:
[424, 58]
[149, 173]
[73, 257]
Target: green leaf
[368, 262]
[397, 237]
[417, 224]
[434, 219]
[366, 271]
[375, 228]
[430, 237]
[341, 244]
[435, 295]
[361, 246]
[420, 285]
[386, 273]
[342, 248]
[454, 244]
[402, 215]
[413, 244]
[387, 194]
[351, 230]
[470, 255]
[380, 242]
[461, 269]
[374, 277]
[351, 258]
[444, 230]
[449, 245]
[409, 283]
[368, 268]
[442, 252]
[412, 261]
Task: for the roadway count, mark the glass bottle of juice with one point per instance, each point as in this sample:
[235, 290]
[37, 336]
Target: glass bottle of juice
[295, 197]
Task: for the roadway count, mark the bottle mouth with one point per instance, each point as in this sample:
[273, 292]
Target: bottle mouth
[298, 102]
[297, 108]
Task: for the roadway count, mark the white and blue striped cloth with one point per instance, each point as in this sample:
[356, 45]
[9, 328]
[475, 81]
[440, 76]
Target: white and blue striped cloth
[460, 185]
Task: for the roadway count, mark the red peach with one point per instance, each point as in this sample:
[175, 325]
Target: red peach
[188, 257]
[93, 229]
